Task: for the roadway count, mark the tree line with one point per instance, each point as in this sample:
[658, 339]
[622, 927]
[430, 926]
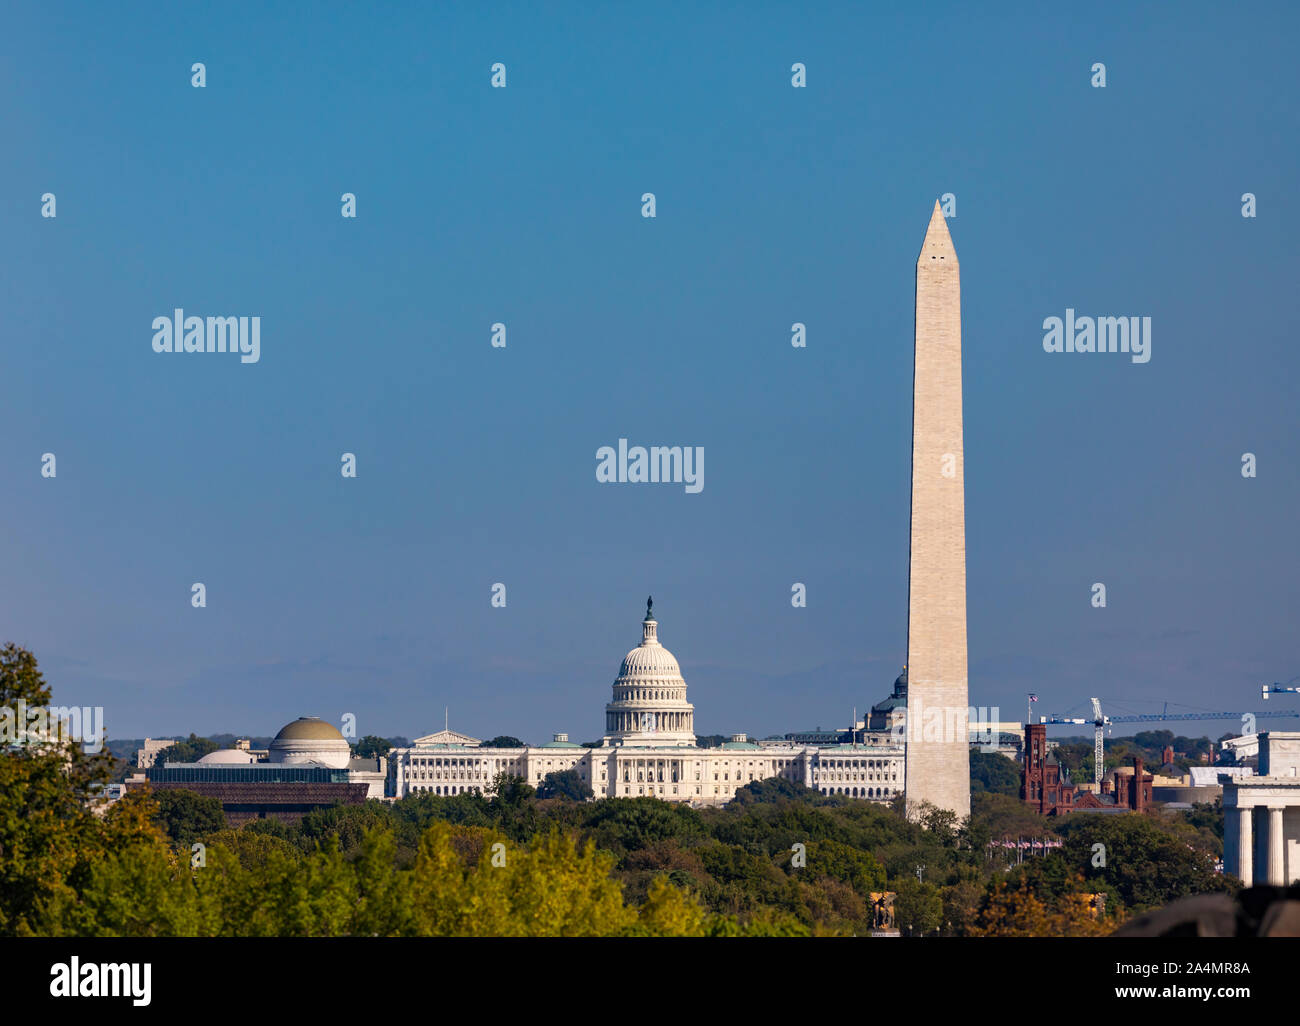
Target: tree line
[777, 860]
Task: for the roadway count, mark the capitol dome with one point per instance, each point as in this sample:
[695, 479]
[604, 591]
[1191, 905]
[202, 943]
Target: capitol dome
[310, 739]
[650, 659]
[649, 706]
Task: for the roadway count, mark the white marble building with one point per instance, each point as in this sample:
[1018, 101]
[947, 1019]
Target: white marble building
[649, 749]
[1261, 842]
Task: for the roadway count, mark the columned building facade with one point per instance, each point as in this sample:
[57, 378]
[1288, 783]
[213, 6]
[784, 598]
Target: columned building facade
[1261, 841]
[649, 749]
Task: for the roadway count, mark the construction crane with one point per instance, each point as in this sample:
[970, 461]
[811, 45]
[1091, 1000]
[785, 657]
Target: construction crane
[1157, 717]
[1101, 722]
[1098, 742]
[1278, 689]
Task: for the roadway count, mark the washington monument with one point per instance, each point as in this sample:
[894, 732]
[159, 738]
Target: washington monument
[938, 745]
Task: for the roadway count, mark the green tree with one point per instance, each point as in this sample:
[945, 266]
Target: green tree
[509, 790]
[192, 749]
[504, 741]
[620, 825]
[346, 824]
[142, 890]
[255, 848]
[186, 817]
[838, 861]
[382, 895]
[774, 789]
[565, 784]
[371, 747]
[993, 772]
[1207, 817]
[918, 907]
[49, 834]
[1147, 863]
[999, 816]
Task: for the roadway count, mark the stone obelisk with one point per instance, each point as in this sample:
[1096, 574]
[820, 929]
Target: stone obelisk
[938, 746]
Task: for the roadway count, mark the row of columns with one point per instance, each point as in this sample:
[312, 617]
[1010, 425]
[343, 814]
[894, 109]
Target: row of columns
[1275, 861]
[663, 721]
[642, 695]
[669, 771]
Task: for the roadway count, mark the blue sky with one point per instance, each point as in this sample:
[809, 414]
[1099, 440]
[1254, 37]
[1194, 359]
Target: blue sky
[522, 205]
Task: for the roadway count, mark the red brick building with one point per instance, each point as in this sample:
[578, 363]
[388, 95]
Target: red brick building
[1045, 784]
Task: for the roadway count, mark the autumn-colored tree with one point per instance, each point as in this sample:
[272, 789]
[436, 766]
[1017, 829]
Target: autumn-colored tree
[671, 912]
[961, 904]
[1019, 912]
[551, 888]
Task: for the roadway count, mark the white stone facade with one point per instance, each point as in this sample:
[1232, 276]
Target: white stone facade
[145, 757]
[700, 776]
[649, 750]
[1261, 842]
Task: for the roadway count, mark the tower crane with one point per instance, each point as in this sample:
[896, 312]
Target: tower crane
[1099, 723]
[1278, 689]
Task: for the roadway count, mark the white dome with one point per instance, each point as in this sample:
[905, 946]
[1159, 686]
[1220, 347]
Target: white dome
[228, 757]
[649, 704]
[649, 659]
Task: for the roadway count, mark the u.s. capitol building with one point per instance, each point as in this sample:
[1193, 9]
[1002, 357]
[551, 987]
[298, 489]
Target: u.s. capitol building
[649, 749]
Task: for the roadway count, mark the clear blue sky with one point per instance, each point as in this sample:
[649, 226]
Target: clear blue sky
[477, 465]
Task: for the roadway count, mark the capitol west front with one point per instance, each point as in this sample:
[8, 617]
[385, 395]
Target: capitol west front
[649, 749]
